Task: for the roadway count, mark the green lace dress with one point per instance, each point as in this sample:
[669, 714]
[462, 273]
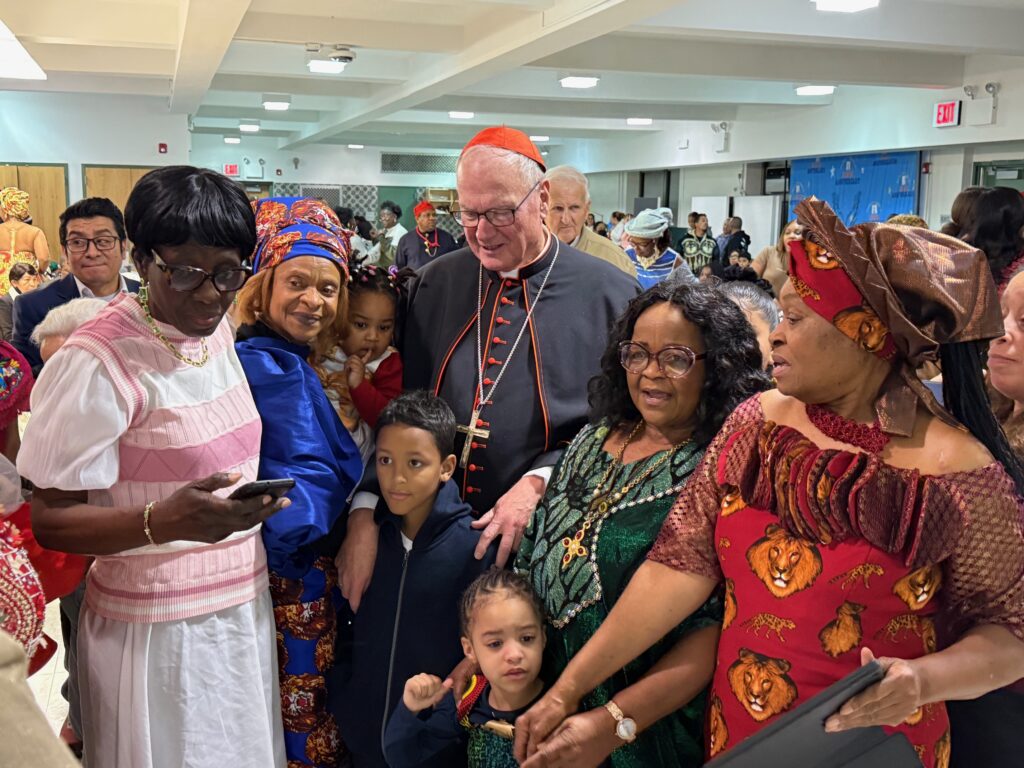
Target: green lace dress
[579, 595]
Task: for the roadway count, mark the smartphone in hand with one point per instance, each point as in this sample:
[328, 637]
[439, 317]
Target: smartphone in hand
[275, 488]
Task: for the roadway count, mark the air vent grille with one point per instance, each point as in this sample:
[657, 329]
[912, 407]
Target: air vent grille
[395, 162]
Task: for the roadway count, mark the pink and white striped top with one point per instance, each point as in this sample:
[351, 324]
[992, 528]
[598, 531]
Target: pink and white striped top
[114, 413]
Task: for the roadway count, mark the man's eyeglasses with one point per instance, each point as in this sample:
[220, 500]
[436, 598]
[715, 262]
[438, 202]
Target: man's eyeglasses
[79, 245]
[499, 217]
[674, 362]
[185, 279]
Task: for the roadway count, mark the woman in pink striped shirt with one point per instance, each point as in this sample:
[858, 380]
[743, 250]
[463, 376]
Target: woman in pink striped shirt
[142, 425]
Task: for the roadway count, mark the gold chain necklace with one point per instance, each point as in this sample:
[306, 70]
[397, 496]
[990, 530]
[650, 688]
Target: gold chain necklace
[604, 500]
[143, 298]
[648, 261]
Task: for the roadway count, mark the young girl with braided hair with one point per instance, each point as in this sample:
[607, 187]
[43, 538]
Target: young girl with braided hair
[503, 631]
[363, 373]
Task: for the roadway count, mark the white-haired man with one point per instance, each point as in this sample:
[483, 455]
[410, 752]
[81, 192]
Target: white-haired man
[508, 331]
[568, 209]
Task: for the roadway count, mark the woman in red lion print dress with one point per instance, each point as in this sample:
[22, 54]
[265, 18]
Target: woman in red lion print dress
[848, 514]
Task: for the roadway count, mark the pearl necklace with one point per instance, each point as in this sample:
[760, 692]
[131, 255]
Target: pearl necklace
[143, 298]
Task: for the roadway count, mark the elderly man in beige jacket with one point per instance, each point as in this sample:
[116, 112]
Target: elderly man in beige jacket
[567, 216]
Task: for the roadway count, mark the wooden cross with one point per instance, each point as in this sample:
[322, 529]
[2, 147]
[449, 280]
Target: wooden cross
[472, 432]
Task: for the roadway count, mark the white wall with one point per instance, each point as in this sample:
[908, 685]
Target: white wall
[79, 129]
[607, 193]
[707, 181]
[318, 164]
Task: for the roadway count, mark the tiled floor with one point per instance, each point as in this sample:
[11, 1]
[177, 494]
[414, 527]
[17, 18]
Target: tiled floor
[46, 683]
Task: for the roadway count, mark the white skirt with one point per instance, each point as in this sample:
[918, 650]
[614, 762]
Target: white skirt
[196, 693]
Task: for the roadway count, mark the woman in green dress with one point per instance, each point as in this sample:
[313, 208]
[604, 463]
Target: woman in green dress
[678, 362]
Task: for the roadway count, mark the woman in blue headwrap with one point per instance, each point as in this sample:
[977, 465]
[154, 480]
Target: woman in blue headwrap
[296, 305]
[649, 240]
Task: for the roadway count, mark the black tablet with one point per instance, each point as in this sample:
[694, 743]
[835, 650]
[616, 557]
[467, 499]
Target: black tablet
[798, 738]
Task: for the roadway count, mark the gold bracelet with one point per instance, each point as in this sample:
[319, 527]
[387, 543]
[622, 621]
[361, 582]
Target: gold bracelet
[145, 521]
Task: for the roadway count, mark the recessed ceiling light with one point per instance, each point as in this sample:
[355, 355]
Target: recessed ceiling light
[639, 121]
[578, 81]
[356, 146]
[326, 66]
[845, 6]
[249, 126]
[815, 90]
[276, 102]
[232, 139]
[544, 152]
[540, 139]
[17, 63]
[461, 115]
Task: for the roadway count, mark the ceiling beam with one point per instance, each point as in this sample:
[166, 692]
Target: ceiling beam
[924, 25]
[581, 108]
[492, 49]
[258, 113]
[296, 86]
[90, 59]
[207, 28]
[95, 23]
[425, 33]
[760, 61]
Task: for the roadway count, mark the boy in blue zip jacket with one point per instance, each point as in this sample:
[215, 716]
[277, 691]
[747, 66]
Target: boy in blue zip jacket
[408, 621]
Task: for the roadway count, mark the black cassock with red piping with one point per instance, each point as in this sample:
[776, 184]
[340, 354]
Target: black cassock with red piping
[540, 402]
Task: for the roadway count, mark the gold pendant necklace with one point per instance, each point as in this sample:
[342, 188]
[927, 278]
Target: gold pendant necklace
[143, 298]
[604, 501]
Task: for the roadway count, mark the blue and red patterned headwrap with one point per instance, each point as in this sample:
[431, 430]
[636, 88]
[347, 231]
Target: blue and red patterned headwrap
[289, 227]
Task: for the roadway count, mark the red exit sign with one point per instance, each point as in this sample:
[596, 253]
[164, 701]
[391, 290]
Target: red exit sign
[230, 169]
[946, 114]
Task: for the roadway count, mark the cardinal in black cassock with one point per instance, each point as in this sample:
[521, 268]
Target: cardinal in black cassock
[540, 403]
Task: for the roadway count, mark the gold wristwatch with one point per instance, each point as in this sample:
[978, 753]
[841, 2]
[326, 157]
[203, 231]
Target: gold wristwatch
[625, 727]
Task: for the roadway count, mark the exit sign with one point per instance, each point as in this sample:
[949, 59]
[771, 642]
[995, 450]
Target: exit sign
[231, 169]
[946, 114]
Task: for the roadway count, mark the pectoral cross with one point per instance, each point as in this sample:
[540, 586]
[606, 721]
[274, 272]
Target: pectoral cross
[472, 432]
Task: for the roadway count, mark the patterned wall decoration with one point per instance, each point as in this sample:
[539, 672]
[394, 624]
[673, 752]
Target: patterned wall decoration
[286, 189]
[361, 198]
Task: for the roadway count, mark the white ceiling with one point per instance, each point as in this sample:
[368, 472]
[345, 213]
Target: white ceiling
[501, 59]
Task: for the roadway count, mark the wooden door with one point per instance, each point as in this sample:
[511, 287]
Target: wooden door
[48, 197]
[8, 176]
[113, 183]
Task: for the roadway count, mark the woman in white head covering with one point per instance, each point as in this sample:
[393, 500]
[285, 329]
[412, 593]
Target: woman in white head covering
[649, 238]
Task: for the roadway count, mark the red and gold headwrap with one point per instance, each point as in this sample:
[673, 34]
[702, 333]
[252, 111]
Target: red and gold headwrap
[897, 291]
[290, 227]
[422, 207]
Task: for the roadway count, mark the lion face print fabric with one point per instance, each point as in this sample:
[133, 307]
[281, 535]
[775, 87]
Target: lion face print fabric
[797, 614]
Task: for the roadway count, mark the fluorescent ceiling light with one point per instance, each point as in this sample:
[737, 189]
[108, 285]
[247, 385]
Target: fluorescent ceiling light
[15, 62]
[815, 90]
[540, 138]
[544, 152]
[577, 81]
[326, 66]
[355, 146]
[249, 126]
[461, 115]
[845, 6]
[639, 121]
[232, 139]
[276, 102]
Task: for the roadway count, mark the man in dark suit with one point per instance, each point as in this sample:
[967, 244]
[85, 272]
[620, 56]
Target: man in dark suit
[92, 239]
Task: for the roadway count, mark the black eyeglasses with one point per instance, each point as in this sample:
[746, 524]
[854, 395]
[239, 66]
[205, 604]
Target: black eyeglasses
[79, 245]
[499, 217]
[674, 362]
[185, 279]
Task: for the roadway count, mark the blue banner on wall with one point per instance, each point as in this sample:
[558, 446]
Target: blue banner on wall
[859, 188]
